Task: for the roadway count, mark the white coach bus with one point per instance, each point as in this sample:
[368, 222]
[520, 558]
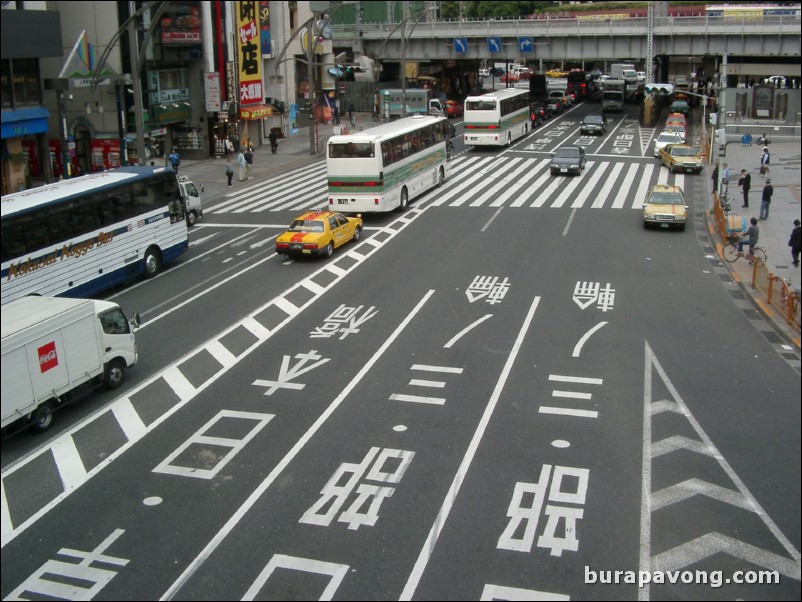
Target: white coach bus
[497, 118]
[387, 166]
[78, 237]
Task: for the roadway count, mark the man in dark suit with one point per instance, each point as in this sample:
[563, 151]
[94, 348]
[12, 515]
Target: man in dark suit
[746, 183]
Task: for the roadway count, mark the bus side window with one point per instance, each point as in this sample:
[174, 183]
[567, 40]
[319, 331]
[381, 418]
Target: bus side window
[61, 224]
[13, 240]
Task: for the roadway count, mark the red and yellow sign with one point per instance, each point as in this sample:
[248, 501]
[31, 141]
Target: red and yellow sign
[255, 112]
[249, 53]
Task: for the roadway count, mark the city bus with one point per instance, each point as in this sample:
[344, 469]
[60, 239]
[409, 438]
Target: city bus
[80, 236]
[385, 167]
[497, 118]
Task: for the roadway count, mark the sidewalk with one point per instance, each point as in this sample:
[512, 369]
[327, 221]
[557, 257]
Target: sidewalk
[786, 177]
[293, 152]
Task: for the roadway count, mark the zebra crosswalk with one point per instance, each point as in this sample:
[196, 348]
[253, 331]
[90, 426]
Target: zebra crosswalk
[476, 181]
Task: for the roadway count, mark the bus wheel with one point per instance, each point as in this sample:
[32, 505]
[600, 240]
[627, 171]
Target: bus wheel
[441, 177]
[509, 138]
[402, 205]
[113, 376]
[42, 418]
[153, 262]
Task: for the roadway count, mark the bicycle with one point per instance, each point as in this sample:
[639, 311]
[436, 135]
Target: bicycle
[731, 254]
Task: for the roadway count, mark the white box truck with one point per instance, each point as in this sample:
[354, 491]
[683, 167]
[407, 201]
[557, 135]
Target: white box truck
[192, 200]
[54, 349]
[419, 101]
[613, 95]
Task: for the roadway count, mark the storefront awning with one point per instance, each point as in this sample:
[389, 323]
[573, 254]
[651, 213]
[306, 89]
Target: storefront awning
[255, 112]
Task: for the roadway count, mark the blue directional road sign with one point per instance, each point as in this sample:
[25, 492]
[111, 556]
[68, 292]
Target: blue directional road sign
[460, 45]
[525, 44]
[494, 44]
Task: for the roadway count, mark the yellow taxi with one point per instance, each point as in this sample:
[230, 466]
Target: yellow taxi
[682, 157]
[665, 207]
[318, 233]
[556, 73]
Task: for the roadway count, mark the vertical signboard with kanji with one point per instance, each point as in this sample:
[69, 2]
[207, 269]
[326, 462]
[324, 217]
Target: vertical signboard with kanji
[250, 60]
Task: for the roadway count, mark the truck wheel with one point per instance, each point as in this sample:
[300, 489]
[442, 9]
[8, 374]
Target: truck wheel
[42, 418]
[113, 375]
[153, 262]
[192, 218]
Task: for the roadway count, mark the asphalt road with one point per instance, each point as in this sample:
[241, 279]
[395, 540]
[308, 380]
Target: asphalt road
[500, 394]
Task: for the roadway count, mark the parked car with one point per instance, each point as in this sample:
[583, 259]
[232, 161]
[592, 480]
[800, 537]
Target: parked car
[595, 123]
[664, 139]
[454, 108]
[681, 157]
[318, 233]
[665, 207]
[568, 160]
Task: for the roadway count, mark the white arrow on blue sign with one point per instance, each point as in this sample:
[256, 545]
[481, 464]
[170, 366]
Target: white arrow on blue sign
[460, 44]
[494, 44]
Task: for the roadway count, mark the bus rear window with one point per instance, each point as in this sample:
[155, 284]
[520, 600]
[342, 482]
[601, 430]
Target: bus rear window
[480, 105]
[351, 150]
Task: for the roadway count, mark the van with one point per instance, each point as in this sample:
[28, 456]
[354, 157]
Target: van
[192, 200]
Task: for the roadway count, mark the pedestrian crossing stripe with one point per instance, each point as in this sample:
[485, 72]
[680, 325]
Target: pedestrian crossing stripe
[475, 181]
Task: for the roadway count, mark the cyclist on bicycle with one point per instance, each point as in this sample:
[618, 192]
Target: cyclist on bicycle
[751, 236]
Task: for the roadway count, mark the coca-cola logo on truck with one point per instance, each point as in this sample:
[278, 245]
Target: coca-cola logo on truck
[47, 357]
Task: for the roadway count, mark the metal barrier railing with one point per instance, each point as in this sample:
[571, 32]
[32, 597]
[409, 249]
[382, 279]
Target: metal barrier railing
[776, 289]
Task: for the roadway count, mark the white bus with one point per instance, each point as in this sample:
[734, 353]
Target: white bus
[77, 237]
[385, 167]
[497, 118]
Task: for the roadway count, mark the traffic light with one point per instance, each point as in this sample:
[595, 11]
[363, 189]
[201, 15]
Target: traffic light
[659, 89]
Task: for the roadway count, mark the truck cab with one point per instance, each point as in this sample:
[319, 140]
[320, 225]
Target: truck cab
[436, 107]
[192, 200]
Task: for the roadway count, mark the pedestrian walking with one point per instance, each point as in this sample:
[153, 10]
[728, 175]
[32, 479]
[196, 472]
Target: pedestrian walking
[249, 163]
[765, 159]
[242, 165]
[229, 148]
[229, 170]
[714, 177]
[351, 115]
[745, 182]
[795, 242]
[273, 141]
[765, 201]
[175, 160]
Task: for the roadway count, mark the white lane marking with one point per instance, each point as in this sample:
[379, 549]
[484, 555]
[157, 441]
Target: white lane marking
[568, 412]
[585, 337]
[466, 330]
[418, 399]
[428, 368]
[585, 380]
[285, 461]
[442, 516]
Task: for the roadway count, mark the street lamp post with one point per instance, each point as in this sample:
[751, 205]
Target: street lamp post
[404, 38]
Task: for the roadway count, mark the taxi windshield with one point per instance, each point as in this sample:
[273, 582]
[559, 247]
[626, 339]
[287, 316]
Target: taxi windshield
[665, 198]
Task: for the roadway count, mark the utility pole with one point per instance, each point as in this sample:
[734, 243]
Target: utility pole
[721, 123]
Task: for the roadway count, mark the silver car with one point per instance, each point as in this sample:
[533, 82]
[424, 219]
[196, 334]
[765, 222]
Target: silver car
[568, 160]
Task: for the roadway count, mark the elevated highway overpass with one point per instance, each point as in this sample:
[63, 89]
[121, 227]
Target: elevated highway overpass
[765, 42]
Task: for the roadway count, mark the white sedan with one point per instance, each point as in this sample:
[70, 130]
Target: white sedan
[664, 139]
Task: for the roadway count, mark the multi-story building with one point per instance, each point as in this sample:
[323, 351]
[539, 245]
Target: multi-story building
[202, 78]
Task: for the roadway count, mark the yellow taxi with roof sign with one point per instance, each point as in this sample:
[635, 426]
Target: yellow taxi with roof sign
[682, 157]
[318, 233]
[665, 207]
